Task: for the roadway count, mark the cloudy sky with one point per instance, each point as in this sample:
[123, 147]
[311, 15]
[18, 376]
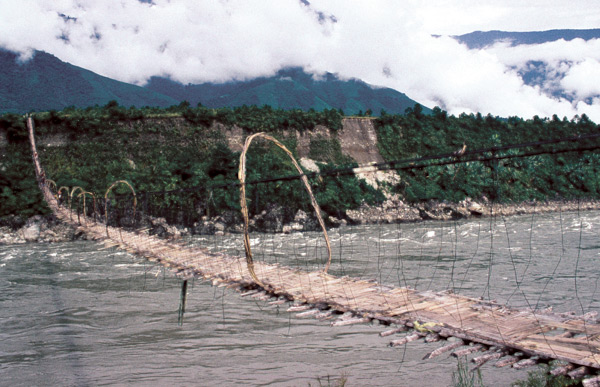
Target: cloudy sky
[385, 43]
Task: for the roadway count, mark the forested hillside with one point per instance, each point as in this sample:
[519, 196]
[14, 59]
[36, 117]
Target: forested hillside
[290, 89]
[45, 82]
[184, 151]
[560, 175]
[157, 150]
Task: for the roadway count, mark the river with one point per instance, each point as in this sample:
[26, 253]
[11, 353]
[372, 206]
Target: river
[78, 315]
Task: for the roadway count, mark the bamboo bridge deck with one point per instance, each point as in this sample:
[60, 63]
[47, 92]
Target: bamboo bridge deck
[511, 337]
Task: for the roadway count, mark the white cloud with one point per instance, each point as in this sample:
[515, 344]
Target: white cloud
[191, 40]
[583, 79]
[383, 42]
[551, 52]
[572, 67]
[26, 25]
[456, 17]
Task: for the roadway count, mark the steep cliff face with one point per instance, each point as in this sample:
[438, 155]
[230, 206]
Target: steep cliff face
[359, 140]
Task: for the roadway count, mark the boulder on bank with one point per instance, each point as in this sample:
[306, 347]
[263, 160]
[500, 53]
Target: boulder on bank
[160, 227]
[392, 210]
[270, 220]
[37, 229]
[305, 222]
[32, 230]
[204, 227]
[443, 211]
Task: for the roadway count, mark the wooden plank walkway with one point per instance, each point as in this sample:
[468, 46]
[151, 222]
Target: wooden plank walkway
[499, 329]
[511, 336]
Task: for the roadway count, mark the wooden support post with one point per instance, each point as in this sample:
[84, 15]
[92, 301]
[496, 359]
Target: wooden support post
[325, 315]
[481, 360]
[182, 298]
[579, 372]
[298, 308]
[392, 331]
[357, 320]
[466, 351]
[308, 313]
[524, 363]
[250, 292]
[263, 296]
[507, 361]
[444, 349]
[406, 339]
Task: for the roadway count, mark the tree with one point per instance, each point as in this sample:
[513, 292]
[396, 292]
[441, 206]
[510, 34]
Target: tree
[111, 104]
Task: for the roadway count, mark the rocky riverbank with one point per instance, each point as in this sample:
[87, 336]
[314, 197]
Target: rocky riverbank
[395, 210]
[15, 230]
[48, 229]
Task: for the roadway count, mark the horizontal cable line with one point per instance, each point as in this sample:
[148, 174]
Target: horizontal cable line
[495, 158]
[467, 156]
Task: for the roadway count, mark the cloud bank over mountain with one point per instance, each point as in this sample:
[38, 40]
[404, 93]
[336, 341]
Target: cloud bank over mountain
[385, 43]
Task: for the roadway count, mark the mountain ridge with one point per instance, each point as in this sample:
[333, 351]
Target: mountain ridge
[481, 39]
[289, 88]
[47, 83]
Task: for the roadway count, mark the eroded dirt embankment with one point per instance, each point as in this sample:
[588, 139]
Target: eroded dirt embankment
[358, 138]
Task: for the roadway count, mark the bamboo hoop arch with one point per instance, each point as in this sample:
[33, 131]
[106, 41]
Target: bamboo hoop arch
[52, 182]
[244, 207]
[63, 188]
[75, 189]
[83, 193]
[71, 200]
[106, 199]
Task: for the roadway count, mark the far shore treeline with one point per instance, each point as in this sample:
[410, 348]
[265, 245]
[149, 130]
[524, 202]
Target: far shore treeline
[185, 150]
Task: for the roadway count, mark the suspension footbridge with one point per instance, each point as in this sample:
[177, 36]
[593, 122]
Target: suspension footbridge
[506, 336]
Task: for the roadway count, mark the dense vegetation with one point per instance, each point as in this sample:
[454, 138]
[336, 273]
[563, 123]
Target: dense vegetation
[176, 149]
[540, 177]
[179, 160]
